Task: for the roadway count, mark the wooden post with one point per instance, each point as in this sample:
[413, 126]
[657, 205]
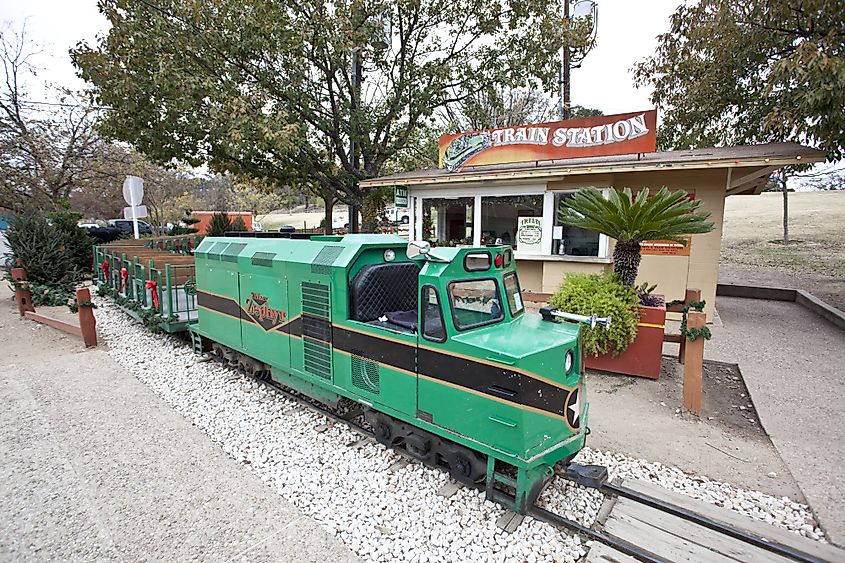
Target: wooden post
[694, 365]
[691, 296]
[87, 322]
[23, 297]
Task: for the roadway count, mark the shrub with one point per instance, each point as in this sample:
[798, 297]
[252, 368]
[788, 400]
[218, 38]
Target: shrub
[40, 247]
[238, 224]
[218, 225]
[76, 241]
[603, 295]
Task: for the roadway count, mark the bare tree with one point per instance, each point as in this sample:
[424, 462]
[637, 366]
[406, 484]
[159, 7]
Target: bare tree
[46, 149]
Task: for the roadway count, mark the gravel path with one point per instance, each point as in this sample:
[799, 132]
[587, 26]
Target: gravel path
[96, 467]
[384, 514]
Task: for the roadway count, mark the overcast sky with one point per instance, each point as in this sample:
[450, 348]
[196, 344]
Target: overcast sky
[627, 33]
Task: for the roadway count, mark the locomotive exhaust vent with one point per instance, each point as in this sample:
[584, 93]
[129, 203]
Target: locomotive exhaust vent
[365, 373]
[232, 251]
[215, 250]
[263, 259]
[316, 329]
[322, 263]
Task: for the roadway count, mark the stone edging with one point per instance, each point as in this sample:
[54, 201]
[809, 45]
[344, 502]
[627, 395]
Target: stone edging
[799, 296]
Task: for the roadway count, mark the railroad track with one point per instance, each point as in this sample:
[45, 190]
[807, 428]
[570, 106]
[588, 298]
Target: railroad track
[591, 476]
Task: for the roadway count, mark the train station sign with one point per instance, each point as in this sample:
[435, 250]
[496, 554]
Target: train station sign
[626, 133]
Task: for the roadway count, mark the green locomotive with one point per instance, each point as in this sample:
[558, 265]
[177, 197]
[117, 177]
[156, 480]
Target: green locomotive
[434, 343]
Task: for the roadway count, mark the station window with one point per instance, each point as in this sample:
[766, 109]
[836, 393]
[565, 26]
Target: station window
[572, 241]
[475, 303]
[500, 216]
[432, 315]
[448, 222]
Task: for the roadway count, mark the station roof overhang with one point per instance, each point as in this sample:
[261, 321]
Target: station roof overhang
[748, 167]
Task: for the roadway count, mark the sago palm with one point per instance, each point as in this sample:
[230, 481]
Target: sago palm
[664, 216]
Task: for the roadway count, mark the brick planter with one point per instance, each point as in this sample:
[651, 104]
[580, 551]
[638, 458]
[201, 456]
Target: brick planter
[642, 358]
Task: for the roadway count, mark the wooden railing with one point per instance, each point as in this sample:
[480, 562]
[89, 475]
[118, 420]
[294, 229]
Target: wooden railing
[87, 327]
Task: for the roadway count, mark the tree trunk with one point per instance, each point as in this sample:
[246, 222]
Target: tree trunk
[327, 228]
[626, 261]
[785, 208]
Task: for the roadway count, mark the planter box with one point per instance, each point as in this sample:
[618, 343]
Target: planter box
[642, 358]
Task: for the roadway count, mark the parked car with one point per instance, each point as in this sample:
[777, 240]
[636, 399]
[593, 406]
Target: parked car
[398, 215]
[125, 225]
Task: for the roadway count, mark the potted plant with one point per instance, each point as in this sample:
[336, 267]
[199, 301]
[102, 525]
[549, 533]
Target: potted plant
[664, 216]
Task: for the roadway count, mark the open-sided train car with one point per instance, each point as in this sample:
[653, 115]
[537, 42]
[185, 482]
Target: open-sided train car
[154, 276]
[437, 347]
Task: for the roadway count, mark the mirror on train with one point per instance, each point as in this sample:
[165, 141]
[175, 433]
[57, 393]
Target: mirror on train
[417, 248]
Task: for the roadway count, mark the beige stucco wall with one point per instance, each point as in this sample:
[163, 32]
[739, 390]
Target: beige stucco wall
[672, 274]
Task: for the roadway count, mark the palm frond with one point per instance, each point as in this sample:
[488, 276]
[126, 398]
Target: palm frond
[665, 215]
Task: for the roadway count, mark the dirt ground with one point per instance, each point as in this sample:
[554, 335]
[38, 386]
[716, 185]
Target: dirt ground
[753, 235]
[644, 418]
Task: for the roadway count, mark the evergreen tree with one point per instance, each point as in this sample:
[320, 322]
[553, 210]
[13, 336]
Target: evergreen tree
[238, 224]
[218, 225]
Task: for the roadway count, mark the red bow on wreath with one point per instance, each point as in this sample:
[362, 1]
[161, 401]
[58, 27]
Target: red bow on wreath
[124, 273]
[105, 268]
[153, 286]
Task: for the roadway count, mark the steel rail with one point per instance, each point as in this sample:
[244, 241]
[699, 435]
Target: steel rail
[561, 522]
[710, 523]
[537, 512]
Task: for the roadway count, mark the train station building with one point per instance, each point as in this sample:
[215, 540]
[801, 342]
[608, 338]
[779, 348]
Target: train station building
[507, 185]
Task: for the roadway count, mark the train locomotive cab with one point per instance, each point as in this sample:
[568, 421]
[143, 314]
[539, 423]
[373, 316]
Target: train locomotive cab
[489, 374]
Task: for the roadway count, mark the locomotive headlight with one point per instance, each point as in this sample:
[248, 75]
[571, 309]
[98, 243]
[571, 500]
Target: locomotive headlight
[569, 361]
[389, 255]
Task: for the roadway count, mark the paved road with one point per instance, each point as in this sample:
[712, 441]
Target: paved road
[793, 363]
[94, 466]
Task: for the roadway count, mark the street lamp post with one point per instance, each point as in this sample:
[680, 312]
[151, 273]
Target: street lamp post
[355, 102]
[581, 9]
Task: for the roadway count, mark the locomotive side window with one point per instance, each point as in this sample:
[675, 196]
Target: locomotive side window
[513, 293]
[432, 315]
[477, 261]
[475, 303]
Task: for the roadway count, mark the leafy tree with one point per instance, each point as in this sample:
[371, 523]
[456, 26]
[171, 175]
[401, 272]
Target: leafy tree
[664, 216]
[218, 225]
[826, 181]
[238, 224]
[274, 90]
[731, 72]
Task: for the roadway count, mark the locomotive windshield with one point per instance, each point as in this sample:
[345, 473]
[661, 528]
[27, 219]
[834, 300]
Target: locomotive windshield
[475, 303]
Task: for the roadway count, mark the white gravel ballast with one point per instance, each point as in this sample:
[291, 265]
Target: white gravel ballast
[385, 514]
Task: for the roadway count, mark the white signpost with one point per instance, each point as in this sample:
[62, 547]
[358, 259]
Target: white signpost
[133, 193]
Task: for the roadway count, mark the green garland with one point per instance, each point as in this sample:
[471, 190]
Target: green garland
[150, 318]
[695, 333]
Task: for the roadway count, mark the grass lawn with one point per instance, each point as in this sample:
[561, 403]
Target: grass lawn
[753, 232]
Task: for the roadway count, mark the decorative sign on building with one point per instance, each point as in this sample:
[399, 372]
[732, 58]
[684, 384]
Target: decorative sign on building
[625, 133]
[400, 196]
[665, 247]
[529, 232]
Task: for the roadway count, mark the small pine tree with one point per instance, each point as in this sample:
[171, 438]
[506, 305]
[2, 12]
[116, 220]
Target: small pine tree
[238, 224]
[218, 225]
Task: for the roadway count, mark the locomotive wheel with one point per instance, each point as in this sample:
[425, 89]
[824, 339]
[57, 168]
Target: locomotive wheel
[465, 468]
[383, 432]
